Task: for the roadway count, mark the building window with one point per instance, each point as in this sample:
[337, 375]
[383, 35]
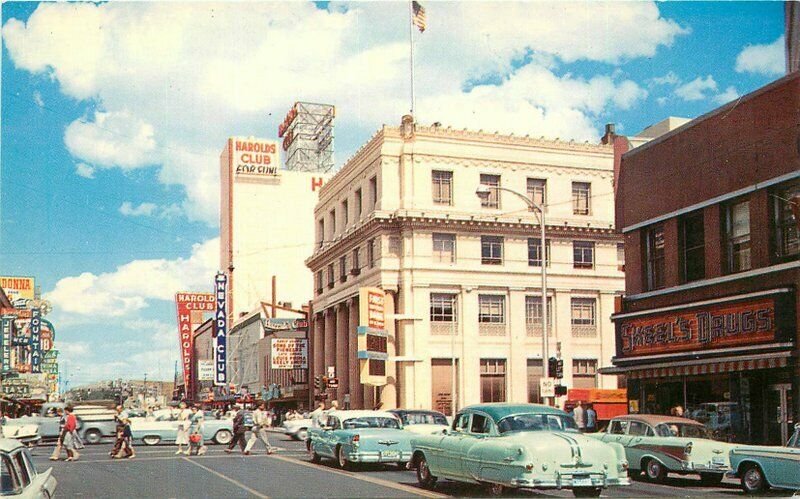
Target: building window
[331, 278]
[583, 316]
[533, 315]
[584, 373]
[693, 247]
[321, 232]
[583, 254]
[442, 187]
[493, 380]
[535, 374]
[358, 204]
[443, 307]
[535, 251]
[492, 250]
[581, 195]
[356, 268]
[444, 248]
[537, 191]
[492, 309]
[654, 248]
[371, 252]
[333, 223]
[345, 213]
[493, 199]
[737, 236]
[319, 282]
[373, 191]
[342, 269]
[786, 213]
[621, 257]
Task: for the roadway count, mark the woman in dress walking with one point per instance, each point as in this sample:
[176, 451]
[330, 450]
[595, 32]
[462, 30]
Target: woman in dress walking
[196, 432]
[182, 438]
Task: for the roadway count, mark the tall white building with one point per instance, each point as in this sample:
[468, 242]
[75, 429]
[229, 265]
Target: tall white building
[266, 225]
[462, 275]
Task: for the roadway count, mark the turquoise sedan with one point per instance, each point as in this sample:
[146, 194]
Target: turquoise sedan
[761, 467]
[352, 437]
[519, 446]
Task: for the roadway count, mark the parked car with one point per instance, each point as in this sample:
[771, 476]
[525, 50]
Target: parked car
[94, 422]
[657, 445]
[297, 428]
[27, 434]
[422, 422]
[360, 437]
[519, 446]
[164, 429]
[762, 466]
[19, 476]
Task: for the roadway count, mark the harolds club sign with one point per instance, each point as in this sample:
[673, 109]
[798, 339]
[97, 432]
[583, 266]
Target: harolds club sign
[732, 324]
[191, 308]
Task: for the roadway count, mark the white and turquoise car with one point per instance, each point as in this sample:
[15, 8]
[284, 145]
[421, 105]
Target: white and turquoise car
[761, 467]
[163, 428]
[352, 437]
[519, 446]
[657, 445]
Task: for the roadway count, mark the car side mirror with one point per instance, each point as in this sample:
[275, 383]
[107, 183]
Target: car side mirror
[445, 431]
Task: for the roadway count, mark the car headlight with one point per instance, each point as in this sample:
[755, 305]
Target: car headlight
[688, 449]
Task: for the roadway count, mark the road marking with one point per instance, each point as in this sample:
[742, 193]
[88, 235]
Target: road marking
[373, 480]
[229, 479]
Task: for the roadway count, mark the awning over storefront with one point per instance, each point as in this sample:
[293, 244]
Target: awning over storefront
[697, 367]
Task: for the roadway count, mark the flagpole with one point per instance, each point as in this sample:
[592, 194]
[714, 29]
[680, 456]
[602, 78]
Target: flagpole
[411, 46]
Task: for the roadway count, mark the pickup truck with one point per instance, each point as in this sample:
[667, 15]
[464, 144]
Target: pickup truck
[94, 422]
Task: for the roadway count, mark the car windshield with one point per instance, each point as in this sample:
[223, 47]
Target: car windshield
[536, 422]
[371, 422]
[9, 483]
[688, 430]
[412, 418]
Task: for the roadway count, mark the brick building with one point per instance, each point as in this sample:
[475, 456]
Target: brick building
[709, 215]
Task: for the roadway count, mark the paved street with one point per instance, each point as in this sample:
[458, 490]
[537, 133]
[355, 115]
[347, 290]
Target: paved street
[157, 472]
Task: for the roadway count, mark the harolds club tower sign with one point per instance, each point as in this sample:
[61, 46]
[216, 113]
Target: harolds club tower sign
[191, 308]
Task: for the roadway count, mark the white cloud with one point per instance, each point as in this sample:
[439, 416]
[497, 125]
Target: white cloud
[668, 79]
[131, 286]
[144, 209]
[767, 59]
[72, 349]
[728, 95]
[112, 139]
[84, 170]
[205, 71]
[661, 101]
[697, 88]
[37, 99]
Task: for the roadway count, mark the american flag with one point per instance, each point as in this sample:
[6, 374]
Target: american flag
[418, 18]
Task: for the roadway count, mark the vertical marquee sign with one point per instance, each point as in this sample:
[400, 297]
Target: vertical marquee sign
[221, 338]
[373, 339]
[36, 341]
[7, 325]
[190, 307]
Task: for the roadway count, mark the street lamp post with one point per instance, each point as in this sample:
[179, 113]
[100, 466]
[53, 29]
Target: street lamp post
[483, 192]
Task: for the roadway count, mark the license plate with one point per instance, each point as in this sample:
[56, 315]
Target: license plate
[581, 482]
[390, 454]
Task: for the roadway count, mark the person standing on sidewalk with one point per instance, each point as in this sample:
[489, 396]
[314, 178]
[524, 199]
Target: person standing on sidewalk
[591, 419]
[580, 417]
[182, 437]
[70, 437]
[239, 430]
[62, 420]
[260, 424]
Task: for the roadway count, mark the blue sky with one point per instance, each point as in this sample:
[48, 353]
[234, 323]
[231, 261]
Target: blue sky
[113, 116]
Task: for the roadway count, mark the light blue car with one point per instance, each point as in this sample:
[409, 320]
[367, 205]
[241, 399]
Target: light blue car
[163, 428]
[352, 437]
[761, 467]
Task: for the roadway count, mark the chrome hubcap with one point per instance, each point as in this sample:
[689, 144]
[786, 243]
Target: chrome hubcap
[752, 479]
[342, 460]
[653, 469]
[423, 470]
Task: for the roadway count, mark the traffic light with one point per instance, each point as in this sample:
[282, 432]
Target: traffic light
[552, 367]
[318, 382]
[561, 390]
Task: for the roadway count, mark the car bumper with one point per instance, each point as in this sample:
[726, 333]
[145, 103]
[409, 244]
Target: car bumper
[570, 481]
[378, 457]
[711, 467]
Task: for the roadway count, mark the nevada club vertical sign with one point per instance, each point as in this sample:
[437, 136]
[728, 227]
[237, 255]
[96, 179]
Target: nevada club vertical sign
[221, 325]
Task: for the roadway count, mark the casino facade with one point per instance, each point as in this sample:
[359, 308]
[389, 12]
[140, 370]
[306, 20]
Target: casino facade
[709, 213]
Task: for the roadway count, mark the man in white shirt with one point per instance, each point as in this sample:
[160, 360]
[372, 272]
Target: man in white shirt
[259, 431]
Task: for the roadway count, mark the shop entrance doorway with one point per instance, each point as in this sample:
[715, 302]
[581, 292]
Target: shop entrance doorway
[777, 413]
